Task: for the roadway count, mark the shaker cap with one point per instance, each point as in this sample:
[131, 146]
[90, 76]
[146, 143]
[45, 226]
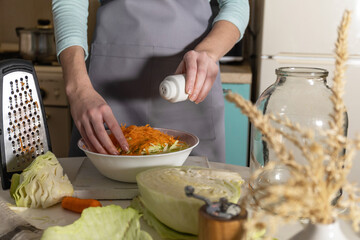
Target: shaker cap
[172, 88]
[167, 89]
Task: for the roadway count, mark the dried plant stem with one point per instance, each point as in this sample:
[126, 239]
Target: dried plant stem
[338, 116]
[261, 122]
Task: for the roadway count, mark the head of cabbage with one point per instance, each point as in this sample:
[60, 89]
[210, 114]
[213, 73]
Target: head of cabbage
[41, 184]
[162, 193]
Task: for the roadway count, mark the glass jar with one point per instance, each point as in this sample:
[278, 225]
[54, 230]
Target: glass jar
[302, 95]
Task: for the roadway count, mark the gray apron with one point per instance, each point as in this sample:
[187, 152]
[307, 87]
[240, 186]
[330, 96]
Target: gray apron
[137, 43]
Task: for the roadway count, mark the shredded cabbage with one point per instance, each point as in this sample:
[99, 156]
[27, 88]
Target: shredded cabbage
[110, 222]
[162, 193]
[41, 184]
[158, 148]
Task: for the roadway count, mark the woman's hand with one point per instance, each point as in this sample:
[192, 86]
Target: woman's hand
[200, 66]
[88, 109]
[201, 71]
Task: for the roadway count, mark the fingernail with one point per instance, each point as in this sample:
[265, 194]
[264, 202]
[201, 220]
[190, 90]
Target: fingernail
[189, 91]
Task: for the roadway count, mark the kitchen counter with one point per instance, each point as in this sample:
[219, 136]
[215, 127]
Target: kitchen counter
[240, 74]
[43, 218]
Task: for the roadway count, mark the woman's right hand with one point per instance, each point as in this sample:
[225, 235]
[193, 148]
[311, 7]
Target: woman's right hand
[88, 109]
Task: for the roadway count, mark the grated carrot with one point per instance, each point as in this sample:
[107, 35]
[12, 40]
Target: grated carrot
[140, 138]
[22, 146]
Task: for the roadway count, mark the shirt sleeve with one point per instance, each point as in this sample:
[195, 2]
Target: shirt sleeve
[236, 12]
[70, 24]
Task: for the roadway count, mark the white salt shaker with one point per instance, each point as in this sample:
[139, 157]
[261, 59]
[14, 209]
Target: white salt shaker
[172, 88]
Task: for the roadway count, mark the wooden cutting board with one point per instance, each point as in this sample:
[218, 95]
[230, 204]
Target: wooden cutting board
[88, 182]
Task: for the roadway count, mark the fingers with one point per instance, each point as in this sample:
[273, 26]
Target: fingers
[95, 133]
[202, 67]
[208, 83]
[181, 68]
[91, 126]
[86, 139]
[190, 60]
[201, 71]
[115, 129]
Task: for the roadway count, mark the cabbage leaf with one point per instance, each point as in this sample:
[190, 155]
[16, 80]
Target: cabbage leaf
[162, 193]
[110, 222]
[41, 184]
[164, 231]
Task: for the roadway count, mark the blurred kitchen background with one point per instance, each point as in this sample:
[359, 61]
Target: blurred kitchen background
[280, 33]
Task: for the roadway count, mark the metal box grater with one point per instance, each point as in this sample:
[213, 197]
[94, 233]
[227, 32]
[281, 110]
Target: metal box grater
[24, 133]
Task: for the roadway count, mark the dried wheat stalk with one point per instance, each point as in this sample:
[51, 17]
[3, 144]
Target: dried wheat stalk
[311, 188]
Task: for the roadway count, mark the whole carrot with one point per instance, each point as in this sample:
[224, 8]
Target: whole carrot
[77, 204]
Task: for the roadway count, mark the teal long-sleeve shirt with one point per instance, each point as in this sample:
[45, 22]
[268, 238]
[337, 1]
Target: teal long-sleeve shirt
[70, 20]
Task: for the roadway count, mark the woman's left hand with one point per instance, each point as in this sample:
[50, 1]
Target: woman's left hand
[201, 71]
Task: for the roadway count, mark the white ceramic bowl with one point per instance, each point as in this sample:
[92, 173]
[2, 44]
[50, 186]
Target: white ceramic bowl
[125, 168]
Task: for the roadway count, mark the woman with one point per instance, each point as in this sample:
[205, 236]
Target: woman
[136, 44]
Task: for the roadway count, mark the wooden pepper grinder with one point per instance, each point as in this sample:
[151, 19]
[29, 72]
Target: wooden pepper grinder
[219, 220]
